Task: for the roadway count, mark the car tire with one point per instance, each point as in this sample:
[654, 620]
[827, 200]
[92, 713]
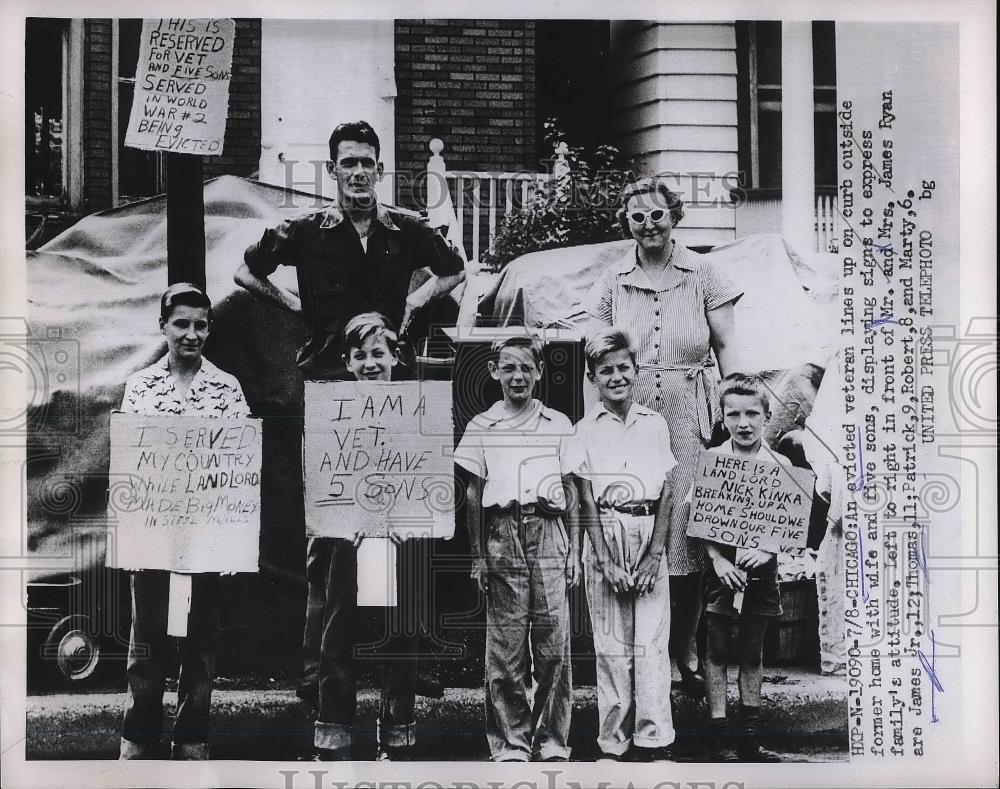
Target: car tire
[71, 653]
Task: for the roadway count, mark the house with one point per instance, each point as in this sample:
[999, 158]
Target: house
[706, 102]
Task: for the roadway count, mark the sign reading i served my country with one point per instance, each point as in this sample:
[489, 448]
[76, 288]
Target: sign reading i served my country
[184, 493]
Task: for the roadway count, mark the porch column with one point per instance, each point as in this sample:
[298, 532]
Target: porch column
[798, 175]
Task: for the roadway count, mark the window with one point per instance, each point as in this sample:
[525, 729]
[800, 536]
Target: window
[52, 92]
[43, 108]
[759, 104]
[139, 173]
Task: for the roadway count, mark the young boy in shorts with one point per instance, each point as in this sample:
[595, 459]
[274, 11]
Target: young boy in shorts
[740, 572]
[621, 457]
[522, 557]
[371, 355]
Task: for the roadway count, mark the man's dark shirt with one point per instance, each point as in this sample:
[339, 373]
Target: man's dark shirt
[338, 279]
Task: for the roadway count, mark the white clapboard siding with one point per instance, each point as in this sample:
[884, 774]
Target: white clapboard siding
[648, 36]
[680, 112]
[660, 87]
[683, 138]
[705, 187]
[677, 114]
[719, 162]
[687, 61]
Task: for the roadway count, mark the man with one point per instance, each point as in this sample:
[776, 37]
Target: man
[351, 258]
[356, 256]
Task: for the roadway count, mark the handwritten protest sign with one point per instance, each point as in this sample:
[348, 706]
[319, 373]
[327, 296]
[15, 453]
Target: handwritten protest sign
[377, 458]
[184, 493]
[750, 502]
[182, 86]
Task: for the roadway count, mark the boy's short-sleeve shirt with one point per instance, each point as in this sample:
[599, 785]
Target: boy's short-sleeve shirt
[520, 458]
[625, 461]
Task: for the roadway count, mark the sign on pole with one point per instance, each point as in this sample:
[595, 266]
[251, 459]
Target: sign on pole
[184, 493]
[750, 502]
[182, 86]
[378, 458]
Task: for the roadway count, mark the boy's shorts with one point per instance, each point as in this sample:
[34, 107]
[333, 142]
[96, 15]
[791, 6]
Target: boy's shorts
[761, 597]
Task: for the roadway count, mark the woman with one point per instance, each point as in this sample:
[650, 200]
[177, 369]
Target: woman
[679, 309]
[182, 383]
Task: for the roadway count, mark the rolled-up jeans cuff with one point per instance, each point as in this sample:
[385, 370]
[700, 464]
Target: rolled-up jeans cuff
[332, 736]
[395, 735]
[654, 742]
[139, 750]
[553, 752]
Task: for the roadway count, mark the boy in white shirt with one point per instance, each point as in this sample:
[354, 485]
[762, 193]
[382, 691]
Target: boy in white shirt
[522, 558]
[622, 459]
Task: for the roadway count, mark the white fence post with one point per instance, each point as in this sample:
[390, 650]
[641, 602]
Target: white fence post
[438, 202]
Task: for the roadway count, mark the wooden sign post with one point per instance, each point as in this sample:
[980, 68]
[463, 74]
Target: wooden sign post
[180, 107]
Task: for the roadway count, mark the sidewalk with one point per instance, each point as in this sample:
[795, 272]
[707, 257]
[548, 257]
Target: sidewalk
[801, 711]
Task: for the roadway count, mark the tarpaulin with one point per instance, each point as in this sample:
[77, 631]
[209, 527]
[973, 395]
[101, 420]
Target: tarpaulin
[787, 316]
[786, 321]
[93, 318]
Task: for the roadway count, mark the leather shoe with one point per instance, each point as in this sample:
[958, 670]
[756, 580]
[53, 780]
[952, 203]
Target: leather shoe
[692, 683]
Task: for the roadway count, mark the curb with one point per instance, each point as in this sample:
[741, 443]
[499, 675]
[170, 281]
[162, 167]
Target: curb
[275, 724]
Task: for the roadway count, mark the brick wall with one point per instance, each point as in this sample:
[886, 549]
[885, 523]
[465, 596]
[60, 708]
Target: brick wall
[471, 83]
[97, 115]
[241, 153]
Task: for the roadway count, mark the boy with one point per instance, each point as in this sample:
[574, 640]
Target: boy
[371, 355]
[522, 559]
[183, 382]
[621, 457]
[747, 573]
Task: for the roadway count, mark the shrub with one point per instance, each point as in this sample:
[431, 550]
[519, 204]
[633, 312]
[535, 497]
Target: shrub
[575, 206]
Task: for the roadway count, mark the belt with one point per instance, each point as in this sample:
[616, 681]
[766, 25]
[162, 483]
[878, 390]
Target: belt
[634, 508]
[519, 510]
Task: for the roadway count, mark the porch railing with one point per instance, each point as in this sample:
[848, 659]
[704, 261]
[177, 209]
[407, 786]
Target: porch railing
[474, 203]
[480, 199]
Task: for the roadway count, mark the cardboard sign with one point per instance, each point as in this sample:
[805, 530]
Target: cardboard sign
[184, 493]
[377, 572]
[182, 86]
[377, 457]
[750, 502]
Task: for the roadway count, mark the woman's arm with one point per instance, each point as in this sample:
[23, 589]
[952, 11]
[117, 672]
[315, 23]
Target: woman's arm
[722, 337]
